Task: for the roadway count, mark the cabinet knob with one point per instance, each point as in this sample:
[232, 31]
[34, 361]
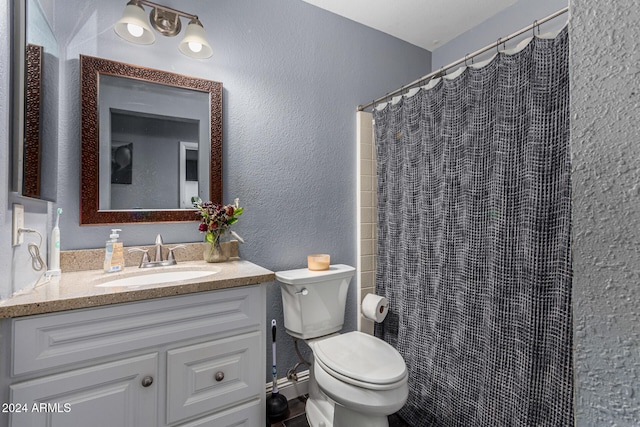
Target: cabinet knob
[219, 376]
[147, 381]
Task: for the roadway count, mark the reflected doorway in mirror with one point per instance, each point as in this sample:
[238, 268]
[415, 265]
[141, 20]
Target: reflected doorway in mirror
[188, 173]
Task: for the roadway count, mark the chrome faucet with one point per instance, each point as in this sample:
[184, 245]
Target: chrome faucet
[145, 262]
[159, 244]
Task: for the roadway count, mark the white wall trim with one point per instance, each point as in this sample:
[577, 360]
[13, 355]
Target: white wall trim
[291, 389]
[366, 214]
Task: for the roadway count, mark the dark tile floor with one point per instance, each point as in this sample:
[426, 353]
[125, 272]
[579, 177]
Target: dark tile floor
[297, 418]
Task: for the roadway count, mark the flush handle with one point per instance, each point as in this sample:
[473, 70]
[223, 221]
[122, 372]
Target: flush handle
[147, 381]
[303, 292]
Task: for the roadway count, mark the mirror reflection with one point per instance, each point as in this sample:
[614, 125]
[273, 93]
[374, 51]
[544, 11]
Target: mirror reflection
[151, 140]
[35, 133]
[144, 129]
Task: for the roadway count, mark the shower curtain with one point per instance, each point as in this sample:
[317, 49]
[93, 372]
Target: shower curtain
[474, 221]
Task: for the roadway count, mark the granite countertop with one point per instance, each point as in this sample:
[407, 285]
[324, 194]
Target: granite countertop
[77, 289]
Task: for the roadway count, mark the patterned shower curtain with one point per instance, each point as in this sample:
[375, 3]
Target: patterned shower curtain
[474, 255]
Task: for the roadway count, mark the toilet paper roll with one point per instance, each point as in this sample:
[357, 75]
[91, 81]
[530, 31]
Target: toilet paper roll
[374, 307]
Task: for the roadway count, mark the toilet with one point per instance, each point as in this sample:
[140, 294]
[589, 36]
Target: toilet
[356, 380]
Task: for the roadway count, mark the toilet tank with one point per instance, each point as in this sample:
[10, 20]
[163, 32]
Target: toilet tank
[314, 301]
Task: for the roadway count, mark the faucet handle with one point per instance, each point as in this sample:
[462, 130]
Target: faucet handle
[170, 256]
[145, 255]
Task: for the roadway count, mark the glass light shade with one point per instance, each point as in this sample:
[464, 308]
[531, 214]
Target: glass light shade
[133, 26]
[194, 43]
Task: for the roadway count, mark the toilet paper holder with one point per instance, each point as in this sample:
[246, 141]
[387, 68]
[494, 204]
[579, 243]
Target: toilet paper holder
[375, 307]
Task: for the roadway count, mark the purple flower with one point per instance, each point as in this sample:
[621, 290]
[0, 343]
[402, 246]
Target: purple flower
[216, 218]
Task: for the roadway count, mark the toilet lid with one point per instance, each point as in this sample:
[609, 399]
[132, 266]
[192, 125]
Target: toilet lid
[361, 357]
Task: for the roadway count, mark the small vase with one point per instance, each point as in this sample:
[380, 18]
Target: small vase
[213, 251]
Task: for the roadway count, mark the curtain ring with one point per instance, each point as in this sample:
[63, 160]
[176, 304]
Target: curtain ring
[533, 29]
[498, 45]
[465, 60]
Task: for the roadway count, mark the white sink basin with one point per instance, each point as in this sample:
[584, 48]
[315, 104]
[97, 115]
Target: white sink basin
[156, 278]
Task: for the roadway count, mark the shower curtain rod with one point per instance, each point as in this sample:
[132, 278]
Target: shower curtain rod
[440, 72]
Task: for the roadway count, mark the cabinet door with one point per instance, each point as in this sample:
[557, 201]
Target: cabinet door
[107, 395]
[212, 376]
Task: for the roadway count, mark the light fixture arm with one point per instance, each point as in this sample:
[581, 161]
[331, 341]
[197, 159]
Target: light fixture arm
[168, 9]
[134, 27]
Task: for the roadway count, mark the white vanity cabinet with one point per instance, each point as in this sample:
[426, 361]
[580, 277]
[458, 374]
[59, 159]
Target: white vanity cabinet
[182, 361]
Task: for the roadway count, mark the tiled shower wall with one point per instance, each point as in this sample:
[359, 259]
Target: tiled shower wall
[367, 213]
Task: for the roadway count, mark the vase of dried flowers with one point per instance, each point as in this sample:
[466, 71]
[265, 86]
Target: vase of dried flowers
[215, 219]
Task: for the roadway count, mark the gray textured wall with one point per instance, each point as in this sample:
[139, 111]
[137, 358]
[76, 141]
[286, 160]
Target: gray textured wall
[605, 139]
[508, 21]
[6, 257]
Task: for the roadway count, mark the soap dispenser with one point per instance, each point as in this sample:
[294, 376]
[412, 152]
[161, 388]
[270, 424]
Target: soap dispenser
[114, 253]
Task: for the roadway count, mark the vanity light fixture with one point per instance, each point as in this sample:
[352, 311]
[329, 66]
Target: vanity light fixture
[134, 28]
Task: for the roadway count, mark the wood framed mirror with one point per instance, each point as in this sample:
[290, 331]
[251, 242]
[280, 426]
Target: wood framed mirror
[34, 79]
[136, 123]
[32, 149]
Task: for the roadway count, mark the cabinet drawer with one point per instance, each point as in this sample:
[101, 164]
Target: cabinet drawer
[246, 415]
[213, 375]
[52, 340]
[107, 395]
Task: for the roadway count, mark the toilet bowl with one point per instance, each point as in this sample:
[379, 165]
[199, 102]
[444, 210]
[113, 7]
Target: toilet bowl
[363, 375]
[356, 380]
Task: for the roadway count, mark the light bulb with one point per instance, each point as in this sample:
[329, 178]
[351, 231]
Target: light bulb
[135, 30]
[195, 47]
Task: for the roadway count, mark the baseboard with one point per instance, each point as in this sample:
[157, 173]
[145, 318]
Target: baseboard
[291, 389]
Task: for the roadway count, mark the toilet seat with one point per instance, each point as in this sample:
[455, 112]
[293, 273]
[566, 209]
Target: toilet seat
[361, 360]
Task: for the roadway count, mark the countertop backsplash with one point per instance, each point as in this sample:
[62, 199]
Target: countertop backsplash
[92, 259]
